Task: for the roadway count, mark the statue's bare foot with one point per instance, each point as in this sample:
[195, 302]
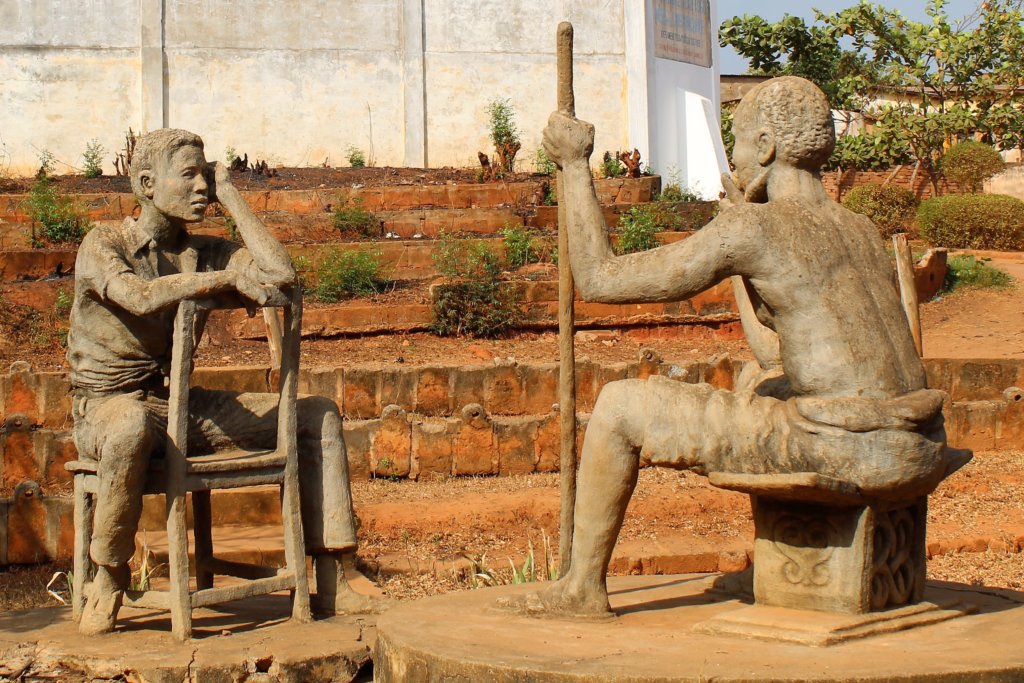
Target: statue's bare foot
[334, 594]
[103, 598]
[344, 600]
[560, 601]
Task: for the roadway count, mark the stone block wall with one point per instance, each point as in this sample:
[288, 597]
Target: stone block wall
[423, 422]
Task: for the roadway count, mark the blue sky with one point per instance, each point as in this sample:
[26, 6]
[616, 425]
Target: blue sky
[732, 63]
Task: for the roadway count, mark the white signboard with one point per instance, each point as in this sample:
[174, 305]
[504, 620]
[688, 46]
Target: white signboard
[682, 31]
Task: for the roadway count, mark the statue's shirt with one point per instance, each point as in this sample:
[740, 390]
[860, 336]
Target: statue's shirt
[109, 349]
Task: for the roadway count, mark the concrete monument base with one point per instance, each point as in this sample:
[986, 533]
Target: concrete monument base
[245, 640]
[461, 637]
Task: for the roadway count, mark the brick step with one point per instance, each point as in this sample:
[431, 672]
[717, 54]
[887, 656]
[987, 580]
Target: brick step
[679, 553]
[115, 206]
[401, 259]
[540, 306]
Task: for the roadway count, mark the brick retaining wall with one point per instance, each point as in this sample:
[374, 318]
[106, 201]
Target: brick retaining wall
[422, 422]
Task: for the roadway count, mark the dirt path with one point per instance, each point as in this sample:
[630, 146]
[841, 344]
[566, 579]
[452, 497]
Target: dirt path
[978, 323]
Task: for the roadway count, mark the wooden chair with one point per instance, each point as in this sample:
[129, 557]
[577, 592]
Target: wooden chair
[177, 474]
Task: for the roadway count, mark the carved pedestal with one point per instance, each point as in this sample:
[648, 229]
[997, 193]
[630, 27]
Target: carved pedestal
[830, 565]
[852, 560]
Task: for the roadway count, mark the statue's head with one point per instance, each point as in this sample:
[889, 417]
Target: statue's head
[169, 172]
[784, 120]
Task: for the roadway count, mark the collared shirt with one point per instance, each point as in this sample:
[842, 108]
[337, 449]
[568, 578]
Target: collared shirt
[110, 349]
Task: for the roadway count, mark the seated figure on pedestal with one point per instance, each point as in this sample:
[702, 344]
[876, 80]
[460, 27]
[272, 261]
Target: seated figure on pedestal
[129, 281]
[839, 389]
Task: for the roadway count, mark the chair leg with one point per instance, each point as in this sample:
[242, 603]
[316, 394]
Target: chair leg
[294, 547]
[84, 507]
[177, 559]
[202, 517]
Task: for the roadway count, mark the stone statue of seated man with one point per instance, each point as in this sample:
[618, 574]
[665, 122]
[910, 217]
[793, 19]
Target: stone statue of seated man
[839, 389]
[129, 281]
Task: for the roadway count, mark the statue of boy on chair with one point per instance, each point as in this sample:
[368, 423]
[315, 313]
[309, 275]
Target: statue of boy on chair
[129, 282]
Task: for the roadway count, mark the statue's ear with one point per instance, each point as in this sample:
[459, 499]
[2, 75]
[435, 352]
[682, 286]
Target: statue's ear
[147, 181]
[765, 147]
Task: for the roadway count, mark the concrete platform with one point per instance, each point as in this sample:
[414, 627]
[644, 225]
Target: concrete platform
[246, 640]
[459, 637]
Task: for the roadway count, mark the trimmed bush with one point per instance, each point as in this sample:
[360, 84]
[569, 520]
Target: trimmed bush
[969, 164]
[973, 221]
[889, 207]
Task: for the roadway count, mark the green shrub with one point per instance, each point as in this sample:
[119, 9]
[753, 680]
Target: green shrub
[869, 152]
[354, 219]
[347, 273]
[889, 207]
[355, 157]
[967, 271]
[504, 133]
[611, 167]
[475, 302]
[675, 192]
[93, 157]
[543, 163]
[638, 229]
[973, 221]
[58, 220]
[522, 246]
[969, 164]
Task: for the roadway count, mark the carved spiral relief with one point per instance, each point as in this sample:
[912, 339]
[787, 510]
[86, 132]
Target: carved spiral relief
[807, 546]
[895, 567]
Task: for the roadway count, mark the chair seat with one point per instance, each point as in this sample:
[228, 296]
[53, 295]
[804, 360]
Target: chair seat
[221, 462]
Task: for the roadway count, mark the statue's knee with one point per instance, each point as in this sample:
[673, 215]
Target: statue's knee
[620, 405]
[128, 434]
[318, 410]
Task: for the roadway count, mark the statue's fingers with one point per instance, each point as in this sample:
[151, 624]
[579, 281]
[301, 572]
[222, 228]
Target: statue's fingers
[732, 193]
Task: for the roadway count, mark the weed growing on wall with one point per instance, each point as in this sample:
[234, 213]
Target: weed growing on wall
[522, 246]
[543, 164]
[354, 220]
[55, 219]
[504, 133]
[355, 157]
[611, 167]
[46, 162]
[349, 273]
[93, 158]
[473, 301]
[638, 229]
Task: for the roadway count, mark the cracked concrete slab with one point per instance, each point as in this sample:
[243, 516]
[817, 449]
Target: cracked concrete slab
[239, 642]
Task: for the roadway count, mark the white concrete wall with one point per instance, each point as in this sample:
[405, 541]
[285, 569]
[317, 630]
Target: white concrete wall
[69, 72]
[296, 82]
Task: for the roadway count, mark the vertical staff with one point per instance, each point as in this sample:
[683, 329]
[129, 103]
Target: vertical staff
[566, 322]
[908, 290]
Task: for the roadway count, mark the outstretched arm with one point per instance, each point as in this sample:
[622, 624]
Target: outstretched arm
[669, 273]
[270, 257]
[139, 296]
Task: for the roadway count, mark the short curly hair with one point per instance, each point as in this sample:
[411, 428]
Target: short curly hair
[156, 145]
[798, 113]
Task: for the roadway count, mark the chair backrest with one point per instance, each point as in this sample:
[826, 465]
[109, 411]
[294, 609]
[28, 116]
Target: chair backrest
[182, 363]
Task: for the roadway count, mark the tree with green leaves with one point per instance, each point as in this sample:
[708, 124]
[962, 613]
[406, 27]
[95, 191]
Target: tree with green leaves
[947, 79]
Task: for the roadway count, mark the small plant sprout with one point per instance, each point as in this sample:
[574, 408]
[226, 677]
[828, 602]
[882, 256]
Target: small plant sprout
[521, 245]
[93, 158]
[354, 220]
[343, 274]
[230, 156]
[355, 157]
[611, 167]
[638, 230]
[46, 162]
